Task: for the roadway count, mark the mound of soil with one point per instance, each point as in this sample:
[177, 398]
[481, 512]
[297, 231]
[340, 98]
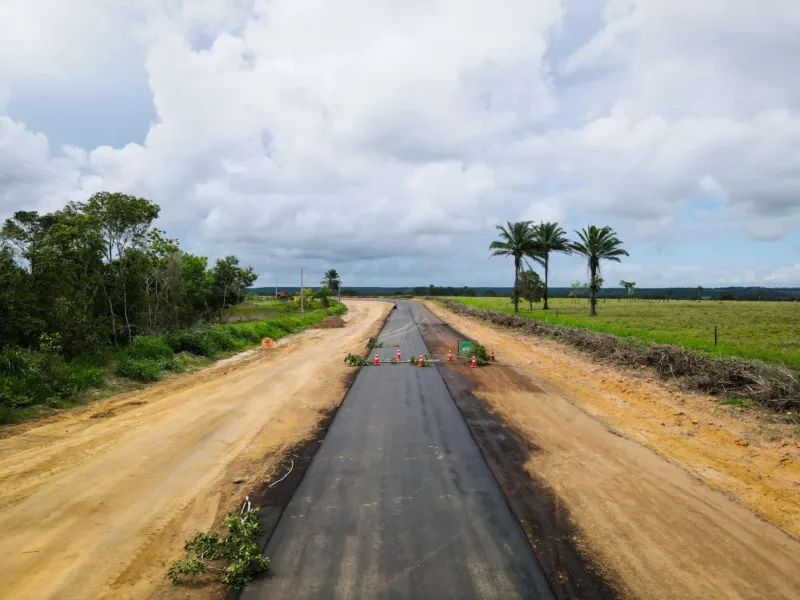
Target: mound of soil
[330, 323]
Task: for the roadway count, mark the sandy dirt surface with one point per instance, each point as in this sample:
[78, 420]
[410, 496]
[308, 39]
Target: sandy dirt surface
[660, 528]
[92, 501]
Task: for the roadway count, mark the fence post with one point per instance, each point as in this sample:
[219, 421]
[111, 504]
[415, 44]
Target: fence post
[715, 335]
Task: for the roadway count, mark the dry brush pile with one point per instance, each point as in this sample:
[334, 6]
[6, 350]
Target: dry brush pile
[774, 387]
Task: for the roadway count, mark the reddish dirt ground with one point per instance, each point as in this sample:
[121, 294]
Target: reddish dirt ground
[667, 526]
[93, 500]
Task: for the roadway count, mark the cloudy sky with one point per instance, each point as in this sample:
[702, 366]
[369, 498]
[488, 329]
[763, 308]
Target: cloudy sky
[386, 139]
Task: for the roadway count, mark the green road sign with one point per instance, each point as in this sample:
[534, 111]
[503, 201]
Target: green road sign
[466, 348]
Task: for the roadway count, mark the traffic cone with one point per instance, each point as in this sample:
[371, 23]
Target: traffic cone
[474, 364]
[491, 357]
[398, 355]
[449, 356]
[421, 364]
[377, 360]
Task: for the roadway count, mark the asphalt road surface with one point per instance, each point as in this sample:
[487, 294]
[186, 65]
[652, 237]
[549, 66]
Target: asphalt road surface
[398, 502]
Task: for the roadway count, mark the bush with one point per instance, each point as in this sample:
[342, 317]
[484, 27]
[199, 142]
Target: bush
[15, 392]
[86, 377]
[142, 369]
[481, 356]
[19, 361]
[239, 547]
[149, 347]
[191, 340]
[221, 338]
[353, 360]
[29, 378]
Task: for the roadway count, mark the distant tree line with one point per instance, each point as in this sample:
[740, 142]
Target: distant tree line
[98, 273]
[433, 290]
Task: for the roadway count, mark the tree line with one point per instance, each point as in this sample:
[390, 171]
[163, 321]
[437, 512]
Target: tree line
[524, 241]
[97, 273]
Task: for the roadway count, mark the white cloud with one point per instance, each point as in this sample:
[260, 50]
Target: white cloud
[305, 130]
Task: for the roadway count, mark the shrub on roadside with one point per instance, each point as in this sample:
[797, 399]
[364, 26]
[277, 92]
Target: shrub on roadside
[193, 341]
[142, 369]
[85, 377]
[239, 548]
[28, 377]
[149, 347]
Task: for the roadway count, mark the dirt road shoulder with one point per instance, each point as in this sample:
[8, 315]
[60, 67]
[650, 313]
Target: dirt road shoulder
[661, 530]
[91, 507]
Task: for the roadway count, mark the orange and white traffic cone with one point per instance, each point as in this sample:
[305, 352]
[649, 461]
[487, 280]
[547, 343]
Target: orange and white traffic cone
[421, 364]
[398, 355]
[474, 364]
[491, 356]
[449, 356]
[377, 360]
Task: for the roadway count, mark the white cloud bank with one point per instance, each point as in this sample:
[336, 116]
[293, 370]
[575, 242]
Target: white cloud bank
[309, 132]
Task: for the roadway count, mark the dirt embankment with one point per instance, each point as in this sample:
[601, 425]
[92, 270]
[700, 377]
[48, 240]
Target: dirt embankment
[653, 528]
[94, 500]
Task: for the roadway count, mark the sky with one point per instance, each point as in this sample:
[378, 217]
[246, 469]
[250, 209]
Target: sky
[387, 139]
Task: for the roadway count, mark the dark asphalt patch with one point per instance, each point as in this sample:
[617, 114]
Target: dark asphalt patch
[545, 520]
[398, 502]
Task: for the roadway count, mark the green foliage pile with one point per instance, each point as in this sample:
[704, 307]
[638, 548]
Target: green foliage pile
[239, 548]
[481, 356]
[354, 360]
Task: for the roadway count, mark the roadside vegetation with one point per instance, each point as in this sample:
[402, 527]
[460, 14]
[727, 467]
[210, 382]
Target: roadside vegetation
[93, 292]
[767, 331]
[234, 557]
[775, 387]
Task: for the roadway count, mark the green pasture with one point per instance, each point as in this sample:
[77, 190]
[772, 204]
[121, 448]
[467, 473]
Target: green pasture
[768, 331]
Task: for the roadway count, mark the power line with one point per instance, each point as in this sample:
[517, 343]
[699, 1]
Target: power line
[27, 162]
[7, 174]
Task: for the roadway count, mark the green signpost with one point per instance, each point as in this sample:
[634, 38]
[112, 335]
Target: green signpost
[466, 348]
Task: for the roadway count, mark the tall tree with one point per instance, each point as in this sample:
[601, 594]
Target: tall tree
[229, 282]
[699, 292]
[549, 238]
[577, 288]
[332, 280]
[123, 222]
[597, 244]
[628, 285]
[530, 287]
[516, 240]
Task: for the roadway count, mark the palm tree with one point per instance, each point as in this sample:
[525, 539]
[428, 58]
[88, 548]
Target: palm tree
[628, 285]
[331, 279]
[549, 238]
[596, 244]
[515, 240]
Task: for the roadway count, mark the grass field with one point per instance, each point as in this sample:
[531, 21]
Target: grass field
[768, 331]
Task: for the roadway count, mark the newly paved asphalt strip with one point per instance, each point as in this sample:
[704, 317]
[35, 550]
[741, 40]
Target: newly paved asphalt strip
[398, 502]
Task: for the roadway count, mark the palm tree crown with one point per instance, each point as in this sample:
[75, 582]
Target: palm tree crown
[596, 244]
[331, 279]
[517, 240]
[549, 237]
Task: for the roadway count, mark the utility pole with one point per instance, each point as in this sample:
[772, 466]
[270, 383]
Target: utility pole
[302, 292]
[339, 290]
[276, 288]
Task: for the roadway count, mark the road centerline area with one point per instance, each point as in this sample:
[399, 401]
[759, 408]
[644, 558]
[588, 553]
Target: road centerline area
[399, 502]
